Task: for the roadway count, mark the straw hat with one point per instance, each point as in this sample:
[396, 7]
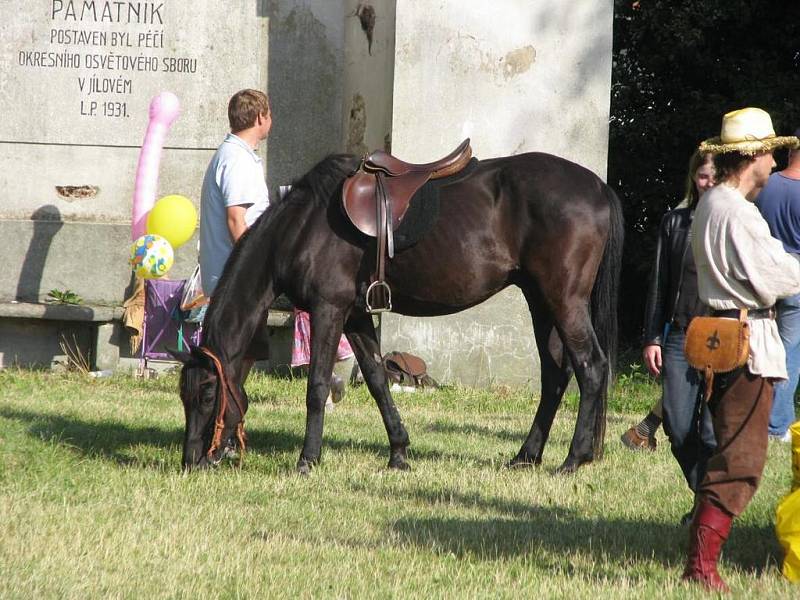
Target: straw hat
[748, 131]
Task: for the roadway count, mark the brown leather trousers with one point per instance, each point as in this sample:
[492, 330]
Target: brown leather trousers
[740, 405]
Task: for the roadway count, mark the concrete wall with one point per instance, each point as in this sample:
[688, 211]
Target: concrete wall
[305, 61]
[76, 81]
[368, 75]
[330, 91]
[515, 76]
[37, 342]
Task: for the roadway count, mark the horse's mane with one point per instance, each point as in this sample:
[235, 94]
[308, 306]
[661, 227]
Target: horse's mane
[318, 186]
[323, 179]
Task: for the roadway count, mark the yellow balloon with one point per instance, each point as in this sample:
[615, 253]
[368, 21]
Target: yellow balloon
[174, 218]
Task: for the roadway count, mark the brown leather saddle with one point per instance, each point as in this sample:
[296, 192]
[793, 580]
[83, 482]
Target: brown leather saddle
[376, 197]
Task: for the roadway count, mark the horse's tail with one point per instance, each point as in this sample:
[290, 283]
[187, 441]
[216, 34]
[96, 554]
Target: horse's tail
[604, 307]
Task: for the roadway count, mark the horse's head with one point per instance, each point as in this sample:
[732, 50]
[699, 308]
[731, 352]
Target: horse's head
[214, 408]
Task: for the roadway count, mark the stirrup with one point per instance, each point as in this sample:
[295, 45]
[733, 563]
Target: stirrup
[371, 289]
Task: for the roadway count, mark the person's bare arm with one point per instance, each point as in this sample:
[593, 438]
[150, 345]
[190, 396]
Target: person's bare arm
[236, 222]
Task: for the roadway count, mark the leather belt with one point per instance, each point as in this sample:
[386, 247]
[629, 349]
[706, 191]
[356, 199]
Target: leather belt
[752, 313]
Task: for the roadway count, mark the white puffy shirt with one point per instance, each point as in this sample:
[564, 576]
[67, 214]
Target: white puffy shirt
[740, 265]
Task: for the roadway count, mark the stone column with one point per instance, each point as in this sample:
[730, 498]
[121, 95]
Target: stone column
[330, 81]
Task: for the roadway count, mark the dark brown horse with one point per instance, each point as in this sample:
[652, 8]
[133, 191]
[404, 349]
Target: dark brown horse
[539, 222]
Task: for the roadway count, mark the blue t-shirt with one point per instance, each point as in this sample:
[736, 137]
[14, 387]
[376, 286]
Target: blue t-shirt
[779, 203]
[235, 176]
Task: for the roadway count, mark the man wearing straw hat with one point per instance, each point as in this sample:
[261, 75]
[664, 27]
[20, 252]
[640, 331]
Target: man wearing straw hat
[739, 265]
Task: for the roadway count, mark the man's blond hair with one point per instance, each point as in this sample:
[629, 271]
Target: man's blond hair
[244, 107]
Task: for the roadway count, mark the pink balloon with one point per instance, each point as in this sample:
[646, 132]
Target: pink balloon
[164, 109]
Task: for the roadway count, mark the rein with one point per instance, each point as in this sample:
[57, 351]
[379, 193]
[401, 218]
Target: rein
[219, 422]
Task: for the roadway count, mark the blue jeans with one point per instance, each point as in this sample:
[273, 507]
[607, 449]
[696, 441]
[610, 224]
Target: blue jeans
[687, 419]
[782, 414]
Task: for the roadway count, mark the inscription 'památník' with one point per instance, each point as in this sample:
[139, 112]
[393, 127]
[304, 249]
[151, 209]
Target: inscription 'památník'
[94, 65]
[108, 11]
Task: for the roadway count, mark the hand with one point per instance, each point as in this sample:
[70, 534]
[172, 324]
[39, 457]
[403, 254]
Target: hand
[652, 359]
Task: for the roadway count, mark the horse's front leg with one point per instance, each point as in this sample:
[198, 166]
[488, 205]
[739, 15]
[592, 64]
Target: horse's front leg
[361, 333]
[326, 329]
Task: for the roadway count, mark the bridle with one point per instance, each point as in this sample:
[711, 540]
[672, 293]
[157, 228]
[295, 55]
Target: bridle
[225, 388]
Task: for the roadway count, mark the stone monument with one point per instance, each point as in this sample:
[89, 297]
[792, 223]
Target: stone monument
[414, 77]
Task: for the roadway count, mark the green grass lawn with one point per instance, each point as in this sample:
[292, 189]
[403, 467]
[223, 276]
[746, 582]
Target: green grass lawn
[94, 505]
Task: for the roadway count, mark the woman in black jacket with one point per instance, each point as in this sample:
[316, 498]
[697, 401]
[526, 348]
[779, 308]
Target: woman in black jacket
[672, 301]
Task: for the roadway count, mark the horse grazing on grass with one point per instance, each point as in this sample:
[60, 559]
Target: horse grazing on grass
[539, 222]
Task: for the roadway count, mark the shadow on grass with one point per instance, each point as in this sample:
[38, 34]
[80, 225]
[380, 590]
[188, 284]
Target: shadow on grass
[115, 441]
[553, 536]
[517, 434]
[473, 500]
[106, 440]
[469, 429]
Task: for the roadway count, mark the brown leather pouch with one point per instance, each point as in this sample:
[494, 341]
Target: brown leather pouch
[717, 345]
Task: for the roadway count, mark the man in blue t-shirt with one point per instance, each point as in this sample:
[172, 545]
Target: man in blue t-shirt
[234, 190]
[779, 203]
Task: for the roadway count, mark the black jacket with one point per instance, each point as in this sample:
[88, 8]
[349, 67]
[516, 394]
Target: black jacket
[665, 281]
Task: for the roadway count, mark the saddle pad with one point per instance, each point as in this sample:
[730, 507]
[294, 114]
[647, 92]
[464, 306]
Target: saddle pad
[423, 210]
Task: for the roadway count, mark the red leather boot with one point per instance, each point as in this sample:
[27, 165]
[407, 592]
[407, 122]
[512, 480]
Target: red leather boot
[709, 530]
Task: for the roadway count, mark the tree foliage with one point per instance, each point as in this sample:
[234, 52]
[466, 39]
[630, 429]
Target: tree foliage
[678, 67]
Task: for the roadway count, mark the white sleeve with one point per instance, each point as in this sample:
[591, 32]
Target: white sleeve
[761, 260]
[236, 183]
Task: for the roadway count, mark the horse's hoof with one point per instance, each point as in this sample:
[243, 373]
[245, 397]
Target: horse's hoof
[570, 465]
[566, 469]
[521, 461]
[202, 465]
[399, 463]
[304, 467]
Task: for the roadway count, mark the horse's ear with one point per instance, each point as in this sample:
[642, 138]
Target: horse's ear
[183, 357]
